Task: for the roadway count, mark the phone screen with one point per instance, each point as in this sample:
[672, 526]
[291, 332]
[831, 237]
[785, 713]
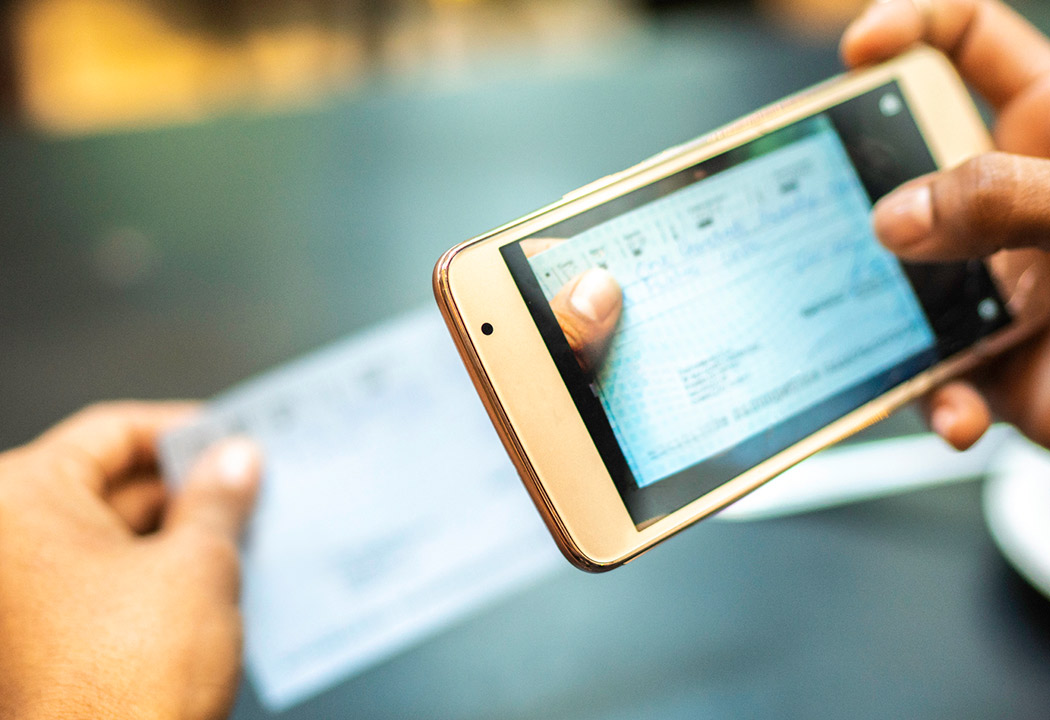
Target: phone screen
[758, 304]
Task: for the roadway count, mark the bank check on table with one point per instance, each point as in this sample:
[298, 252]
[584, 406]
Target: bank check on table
[382, 472]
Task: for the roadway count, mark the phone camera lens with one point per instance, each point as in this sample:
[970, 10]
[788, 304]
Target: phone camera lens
[486, 328]
[988, 310]
[890, 104]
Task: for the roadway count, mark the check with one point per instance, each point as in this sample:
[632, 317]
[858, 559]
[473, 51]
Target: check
[382, 473]
[749, 297]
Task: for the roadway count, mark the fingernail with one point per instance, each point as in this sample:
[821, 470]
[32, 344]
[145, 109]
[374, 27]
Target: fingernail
[904, 217]
[237, 462]
[942, 420]
[876, 15]
[595, 296]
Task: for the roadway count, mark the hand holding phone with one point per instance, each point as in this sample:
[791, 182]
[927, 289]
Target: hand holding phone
[996, 200]
[761, 320]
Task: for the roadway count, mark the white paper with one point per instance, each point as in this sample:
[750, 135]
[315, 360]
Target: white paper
[852, 473]
[389, 507]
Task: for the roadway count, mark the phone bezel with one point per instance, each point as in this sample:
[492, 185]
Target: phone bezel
[548, 442]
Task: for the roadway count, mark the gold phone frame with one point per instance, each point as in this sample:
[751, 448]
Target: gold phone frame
[548, 442]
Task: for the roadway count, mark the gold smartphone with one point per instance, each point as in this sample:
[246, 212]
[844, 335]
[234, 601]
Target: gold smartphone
[762, 320]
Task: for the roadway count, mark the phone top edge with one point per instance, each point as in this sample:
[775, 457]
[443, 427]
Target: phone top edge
[732, 134]
[444, 262]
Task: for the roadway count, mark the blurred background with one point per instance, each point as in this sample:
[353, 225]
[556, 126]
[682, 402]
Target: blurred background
[88, 65]
[192, 192]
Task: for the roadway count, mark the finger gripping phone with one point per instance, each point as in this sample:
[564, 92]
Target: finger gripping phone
[761, 322]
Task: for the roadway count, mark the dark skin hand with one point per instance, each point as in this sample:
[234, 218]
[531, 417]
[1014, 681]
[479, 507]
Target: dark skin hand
[995, 206]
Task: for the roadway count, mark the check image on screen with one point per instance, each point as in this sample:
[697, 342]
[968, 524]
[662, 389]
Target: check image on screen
[750, 296]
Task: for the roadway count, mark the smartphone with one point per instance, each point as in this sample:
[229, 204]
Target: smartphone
[761, 322]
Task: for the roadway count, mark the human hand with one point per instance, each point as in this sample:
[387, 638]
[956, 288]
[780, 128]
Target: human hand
[587, 308]
[997, 204]
[117, 601]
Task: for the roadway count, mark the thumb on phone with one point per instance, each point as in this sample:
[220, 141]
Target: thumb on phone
[991, 202]
[588, 308]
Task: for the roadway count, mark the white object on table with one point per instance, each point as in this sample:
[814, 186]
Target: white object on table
[1017, 509]
[851, 473]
